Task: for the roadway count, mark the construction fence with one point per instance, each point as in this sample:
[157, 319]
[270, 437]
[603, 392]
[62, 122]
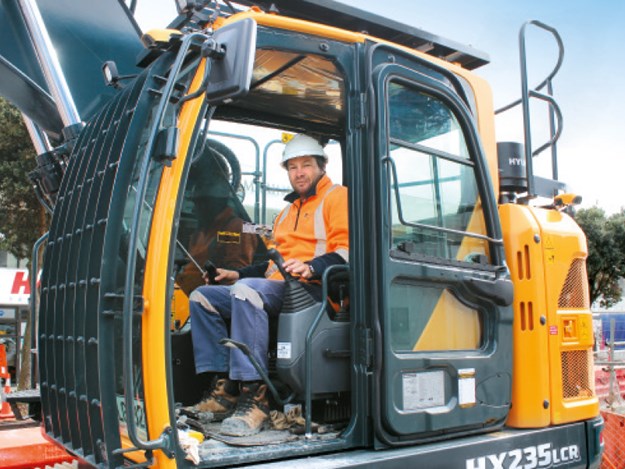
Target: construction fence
[610, 385]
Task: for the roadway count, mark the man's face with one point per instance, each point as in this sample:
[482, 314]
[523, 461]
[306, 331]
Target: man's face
[304, 172]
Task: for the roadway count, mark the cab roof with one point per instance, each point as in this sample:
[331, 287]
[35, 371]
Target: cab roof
[334, 13]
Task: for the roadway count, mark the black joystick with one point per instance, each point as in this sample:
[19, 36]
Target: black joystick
[211, 272]
[296, 297]
[277, 258]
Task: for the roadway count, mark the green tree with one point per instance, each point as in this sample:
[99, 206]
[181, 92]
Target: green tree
[606, 253]
[22, 218]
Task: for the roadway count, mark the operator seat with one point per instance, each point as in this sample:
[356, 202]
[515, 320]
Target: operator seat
[330, 345]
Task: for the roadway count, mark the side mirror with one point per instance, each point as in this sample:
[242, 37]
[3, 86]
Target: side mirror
[232, 63]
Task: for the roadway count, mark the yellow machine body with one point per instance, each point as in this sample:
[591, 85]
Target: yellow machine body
[553, 380]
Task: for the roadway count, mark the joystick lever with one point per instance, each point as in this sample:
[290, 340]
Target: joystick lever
[296, 297]
[277, 258]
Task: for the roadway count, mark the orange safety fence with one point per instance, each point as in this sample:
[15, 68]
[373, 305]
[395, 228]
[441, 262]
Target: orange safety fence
[614, 443]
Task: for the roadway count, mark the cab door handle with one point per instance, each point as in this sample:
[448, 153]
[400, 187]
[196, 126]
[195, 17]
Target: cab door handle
[500, 290]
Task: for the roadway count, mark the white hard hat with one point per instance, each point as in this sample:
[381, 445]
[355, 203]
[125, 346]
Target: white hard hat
[302, 145]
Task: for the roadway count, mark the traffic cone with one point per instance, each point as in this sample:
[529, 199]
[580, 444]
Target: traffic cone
[5, 407]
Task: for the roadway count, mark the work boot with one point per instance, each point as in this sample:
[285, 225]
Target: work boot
[251, 414]
[219, 402]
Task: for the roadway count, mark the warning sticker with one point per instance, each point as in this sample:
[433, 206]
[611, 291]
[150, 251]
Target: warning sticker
[423, 390]
[466, 387]
[284, 350]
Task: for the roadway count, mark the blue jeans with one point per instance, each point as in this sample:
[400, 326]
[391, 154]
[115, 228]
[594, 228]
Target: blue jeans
[247, 306]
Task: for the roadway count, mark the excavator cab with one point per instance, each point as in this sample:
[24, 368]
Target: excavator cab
[234, 152]
[426, 262]
[411, 345]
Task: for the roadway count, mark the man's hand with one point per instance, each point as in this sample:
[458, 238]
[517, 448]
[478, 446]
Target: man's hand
[299, 268]
[224, 277]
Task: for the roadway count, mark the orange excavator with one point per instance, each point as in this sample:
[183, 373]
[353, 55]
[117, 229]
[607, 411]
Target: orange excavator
[459, 333]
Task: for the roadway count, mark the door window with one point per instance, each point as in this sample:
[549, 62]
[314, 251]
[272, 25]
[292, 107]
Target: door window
[435, 206]
[428, 318]
[435, 213]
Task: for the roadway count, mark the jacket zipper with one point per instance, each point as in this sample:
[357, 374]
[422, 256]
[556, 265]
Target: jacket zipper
[297, 217]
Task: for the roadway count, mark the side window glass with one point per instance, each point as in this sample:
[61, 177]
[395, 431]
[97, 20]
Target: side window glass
[427, 318]
[435, 206]
[213, 217]
[235, 187]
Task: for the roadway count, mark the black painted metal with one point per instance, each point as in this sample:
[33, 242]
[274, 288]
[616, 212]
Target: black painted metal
[492, 360]
[544, 188]
[32, 303]
[162, 441]
[71, 282]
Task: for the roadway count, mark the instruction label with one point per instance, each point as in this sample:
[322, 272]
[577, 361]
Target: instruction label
[423, 390]
[284, 350]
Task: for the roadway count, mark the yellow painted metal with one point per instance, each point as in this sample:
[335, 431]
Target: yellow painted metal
[137, 457]
[469, 244]
[291, 24]
[568, 317]
[530, 354]
[452, 326]
[485, 119]
[179, 308]
[553, 379]
[156, 277]
[159, 36]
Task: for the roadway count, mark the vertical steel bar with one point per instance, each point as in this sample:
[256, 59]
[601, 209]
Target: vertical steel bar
[525, 100]
[256, 173]
[34, 325]
[39, 139]
[552, 132]
[611, 360]
[50, 65]
[263, 218]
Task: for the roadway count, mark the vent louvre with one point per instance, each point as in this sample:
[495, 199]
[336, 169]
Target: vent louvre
[574, 292]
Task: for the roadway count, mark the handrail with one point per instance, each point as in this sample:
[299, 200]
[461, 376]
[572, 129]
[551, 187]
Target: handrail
[264, 175]
[164, 440]
[308, 344]
[400, 214]
[526, 96]
[34, 335]
[257, 173]
[555, 114]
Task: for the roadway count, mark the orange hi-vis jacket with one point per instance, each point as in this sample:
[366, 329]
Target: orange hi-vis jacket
[312, 230]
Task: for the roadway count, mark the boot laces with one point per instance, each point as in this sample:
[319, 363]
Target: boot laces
[246, 403]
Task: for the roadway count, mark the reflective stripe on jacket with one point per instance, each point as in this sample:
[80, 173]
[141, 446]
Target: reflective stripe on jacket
[316, 227]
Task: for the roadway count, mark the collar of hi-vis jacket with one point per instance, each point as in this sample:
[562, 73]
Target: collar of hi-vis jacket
[321, 184]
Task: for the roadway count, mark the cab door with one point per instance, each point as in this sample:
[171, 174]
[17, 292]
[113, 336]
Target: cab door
[442, 326]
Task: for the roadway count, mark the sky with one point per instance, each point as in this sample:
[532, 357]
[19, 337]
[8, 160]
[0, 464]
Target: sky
[589, 88]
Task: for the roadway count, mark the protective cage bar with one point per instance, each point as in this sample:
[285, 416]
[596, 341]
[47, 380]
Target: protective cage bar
[70, 335]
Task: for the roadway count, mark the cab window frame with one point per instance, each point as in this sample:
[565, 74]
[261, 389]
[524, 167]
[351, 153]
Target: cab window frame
[430, 86]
